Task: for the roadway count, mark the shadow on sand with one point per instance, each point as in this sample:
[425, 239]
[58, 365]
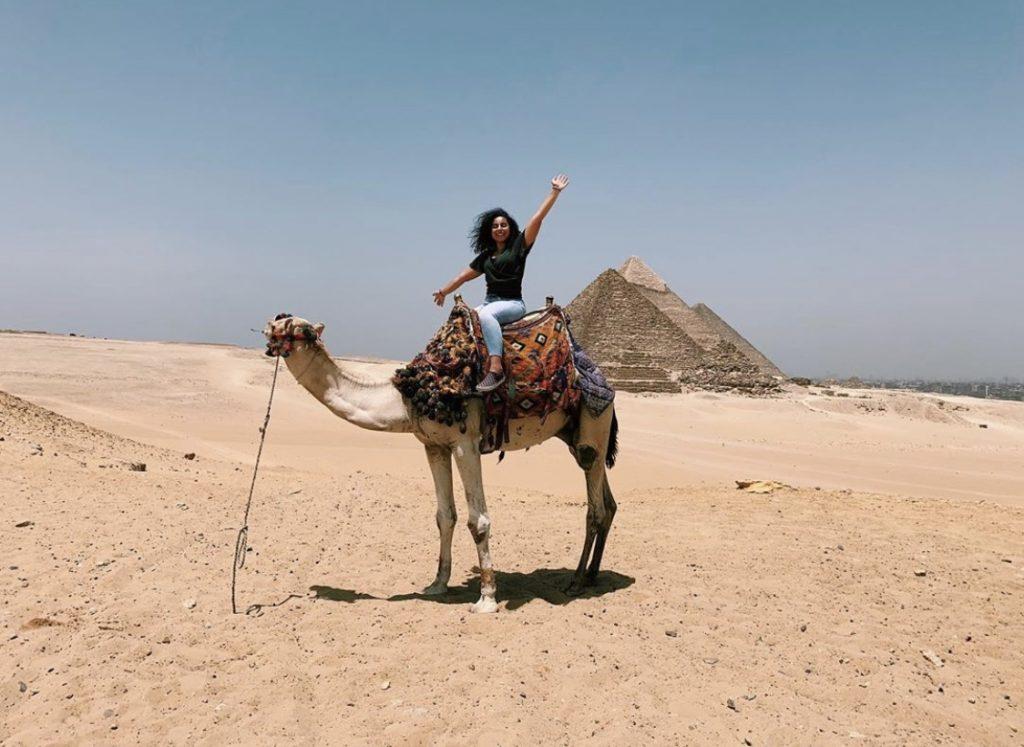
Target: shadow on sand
[516, 589]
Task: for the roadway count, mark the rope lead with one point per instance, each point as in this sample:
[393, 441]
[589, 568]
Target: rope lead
[241, 544]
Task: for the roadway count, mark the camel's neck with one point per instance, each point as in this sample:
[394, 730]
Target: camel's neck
[376, 405]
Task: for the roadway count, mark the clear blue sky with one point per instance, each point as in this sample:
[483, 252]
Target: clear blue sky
[842, 181]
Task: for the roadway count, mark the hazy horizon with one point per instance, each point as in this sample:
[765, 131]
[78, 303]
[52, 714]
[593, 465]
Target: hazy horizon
[842, 184]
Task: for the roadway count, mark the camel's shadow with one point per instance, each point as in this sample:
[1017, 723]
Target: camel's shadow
[516, 589]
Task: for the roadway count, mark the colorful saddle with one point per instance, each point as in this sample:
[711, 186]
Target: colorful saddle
[540, 375]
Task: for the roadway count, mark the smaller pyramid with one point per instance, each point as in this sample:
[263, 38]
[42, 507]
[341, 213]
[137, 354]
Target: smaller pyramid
[727, 333]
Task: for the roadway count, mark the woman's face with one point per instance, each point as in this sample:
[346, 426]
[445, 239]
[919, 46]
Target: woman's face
[499, 229]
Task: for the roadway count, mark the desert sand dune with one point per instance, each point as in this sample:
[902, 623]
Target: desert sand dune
[880, 601]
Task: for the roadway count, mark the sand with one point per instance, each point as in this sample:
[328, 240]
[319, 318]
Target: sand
[878, 601]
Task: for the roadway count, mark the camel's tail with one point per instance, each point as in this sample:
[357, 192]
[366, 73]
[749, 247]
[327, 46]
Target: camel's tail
[613, 442]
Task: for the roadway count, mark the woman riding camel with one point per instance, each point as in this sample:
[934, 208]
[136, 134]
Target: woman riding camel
[501, 252]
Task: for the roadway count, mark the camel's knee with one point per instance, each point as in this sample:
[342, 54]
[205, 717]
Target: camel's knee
[586, 455]
[479, 527]
[445, 520]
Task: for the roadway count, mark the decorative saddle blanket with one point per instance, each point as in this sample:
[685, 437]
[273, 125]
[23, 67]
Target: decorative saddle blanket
[539, 370]
[540, 375]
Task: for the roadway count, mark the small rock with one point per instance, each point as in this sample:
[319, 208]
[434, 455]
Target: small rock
[137, 466]
[731, 705]
[189, 604]
[803, 628]
[191, 455]
[23, 524]
[920, 573]
[108, 713]
[982, 425]
[747, 741]
[672, 633]
[22, 687]
[385, 685]
[932, 657]
[1007, 560]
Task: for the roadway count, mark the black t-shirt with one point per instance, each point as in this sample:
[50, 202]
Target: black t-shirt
[504, 270]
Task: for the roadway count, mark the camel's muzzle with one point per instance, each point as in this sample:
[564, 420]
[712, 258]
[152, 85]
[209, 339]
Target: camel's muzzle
[285, 332]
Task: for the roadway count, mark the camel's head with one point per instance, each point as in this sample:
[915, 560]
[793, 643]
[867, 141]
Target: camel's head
[285, 333]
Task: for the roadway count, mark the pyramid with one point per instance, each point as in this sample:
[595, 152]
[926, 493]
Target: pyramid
[646, 338]
[638, 348]
[636, 271]
[708, 329]
[730, 335]
[675, 308]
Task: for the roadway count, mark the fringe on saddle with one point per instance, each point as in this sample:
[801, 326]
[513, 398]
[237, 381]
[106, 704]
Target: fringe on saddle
[541, 370]
[439, 381]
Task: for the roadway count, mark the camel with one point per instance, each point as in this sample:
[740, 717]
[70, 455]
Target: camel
[377, 405]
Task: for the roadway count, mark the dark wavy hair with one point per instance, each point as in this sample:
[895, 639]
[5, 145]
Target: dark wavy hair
[480, 235]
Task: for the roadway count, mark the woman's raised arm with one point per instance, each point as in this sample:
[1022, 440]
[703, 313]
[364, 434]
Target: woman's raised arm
[533, 227]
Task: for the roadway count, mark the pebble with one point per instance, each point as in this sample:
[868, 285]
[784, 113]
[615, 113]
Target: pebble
[672, 633]
[22, 687]
[23, 524]
[386, 684]
[731, 705]
[191, 455]
[803, 628]
[189, 604]
[920, 573]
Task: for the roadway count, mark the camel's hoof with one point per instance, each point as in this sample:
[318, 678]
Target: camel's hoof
[436, 589]
[575, 588]
[485, 605]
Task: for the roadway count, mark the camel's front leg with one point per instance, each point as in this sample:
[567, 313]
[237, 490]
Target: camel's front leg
[467, 457]
[440, 458]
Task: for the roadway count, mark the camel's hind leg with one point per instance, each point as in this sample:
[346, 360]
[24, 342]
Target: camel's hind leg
[590, 448]
[595, 519]
[440, 458]
[610, 507]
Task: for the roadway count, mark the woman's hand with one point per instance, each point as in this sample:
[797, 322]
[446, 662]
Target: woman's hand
[560, 182]
[439, 297]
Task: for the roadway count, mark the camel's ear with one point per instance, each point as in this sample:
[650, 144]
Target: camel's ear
[318, 328]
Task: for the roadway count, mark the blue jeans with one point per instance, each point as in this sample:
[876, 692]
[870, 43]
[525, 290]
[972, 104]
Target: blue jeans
[494, 312]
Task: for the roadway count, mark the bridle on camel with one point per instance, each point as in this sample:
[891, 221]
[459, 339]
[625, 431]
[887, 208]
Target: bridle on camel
[279, 345]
